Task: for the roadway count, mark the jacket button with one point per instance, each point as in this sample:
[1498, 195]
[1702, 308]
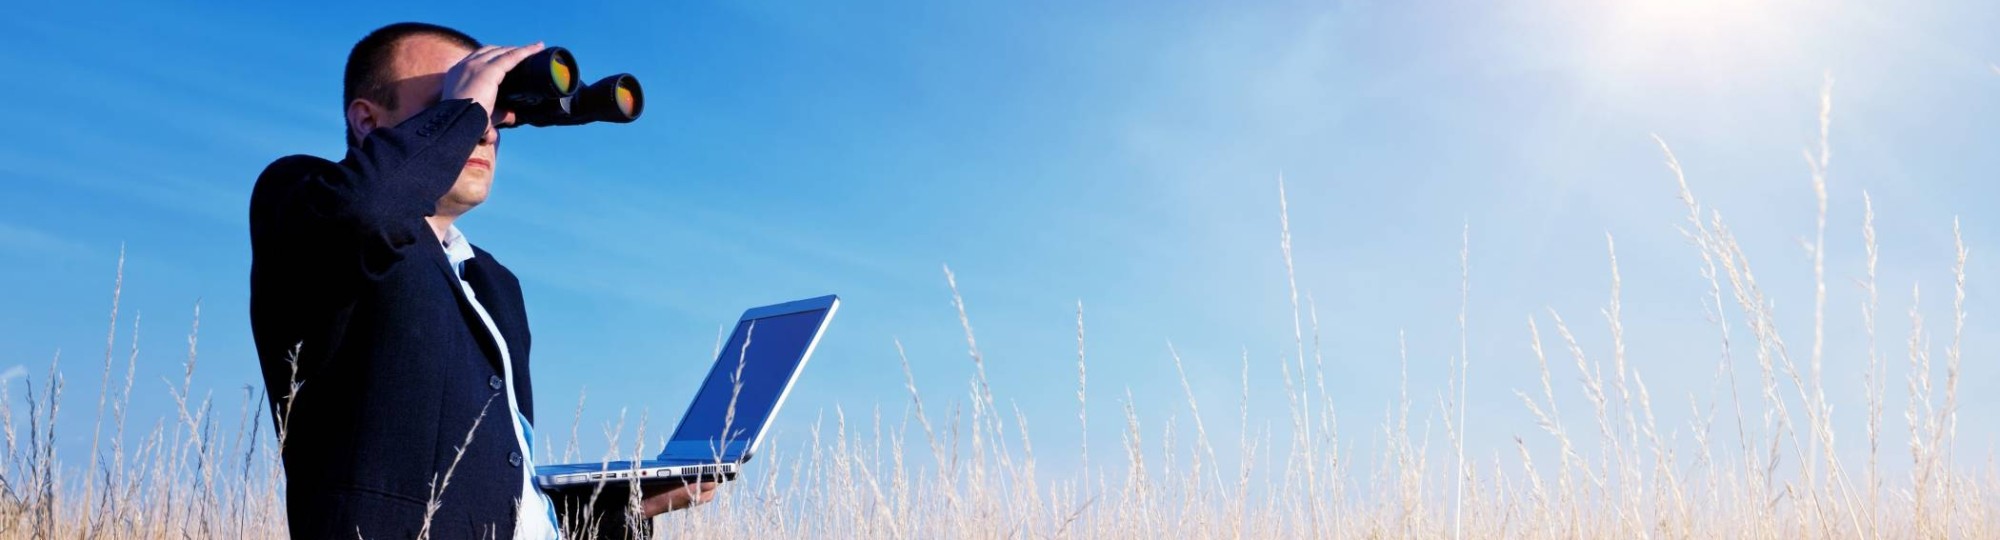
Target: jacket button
[514, 458]
[496, 382]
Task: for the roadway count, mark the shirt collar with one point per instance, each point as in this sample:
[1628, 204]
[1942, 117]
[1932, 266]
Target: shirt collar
[456, 248]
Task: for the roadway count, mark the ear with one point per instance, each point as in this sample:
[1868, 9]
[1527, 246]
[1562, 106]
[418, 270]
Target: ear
[364, 116]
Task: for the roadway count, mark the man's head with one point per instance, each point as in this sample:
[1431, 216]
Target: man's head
[398, 71]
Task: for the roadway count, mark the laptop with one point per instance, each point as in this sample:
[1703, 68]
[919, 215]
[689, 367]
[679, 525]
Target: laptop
[730, 414]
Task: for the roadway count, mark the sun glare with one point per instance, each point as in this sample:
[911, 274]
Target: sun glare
[1691, 42]
[1670, 12]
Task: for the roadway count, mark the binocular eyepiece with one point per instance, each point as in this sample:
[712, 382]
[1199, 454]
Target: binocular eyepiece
[543, 91]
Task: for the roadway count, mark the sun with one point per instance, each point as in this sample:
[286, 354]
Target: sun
[1689, 12]
[1693, 42]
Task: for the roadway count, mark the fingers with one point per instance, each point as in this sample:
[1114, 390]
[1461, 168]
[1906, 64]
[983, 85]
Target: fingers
[479, 56]
[667, 502]
[489, 52]
[498, 56]
[693, 494]
[478, 77]
[680, 498]
[512, 56]
[700, 493]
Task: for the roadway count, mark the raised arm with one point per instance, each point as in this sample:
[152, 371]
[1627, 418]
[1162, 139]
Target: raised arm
[355, 218]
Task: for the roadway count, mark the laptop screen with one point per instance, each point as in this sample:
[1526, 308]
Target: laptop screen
[751, 374]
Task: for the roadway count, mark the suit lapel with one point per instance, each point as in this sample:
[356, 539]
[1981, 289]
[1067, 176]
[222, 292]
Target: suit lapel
[500, 294]
[466, 310]
[486, 280]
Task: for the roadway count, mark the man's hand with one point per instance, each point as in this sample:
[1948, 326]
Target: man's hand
[662, 500]
[478, 77]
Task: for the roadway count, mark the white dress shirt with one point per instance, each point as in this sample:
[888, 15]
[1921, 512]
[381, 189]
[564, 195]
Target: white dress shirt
[536, 518]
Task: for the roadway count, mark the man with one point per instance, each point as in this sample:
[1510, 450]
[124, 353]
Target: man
[396, 353]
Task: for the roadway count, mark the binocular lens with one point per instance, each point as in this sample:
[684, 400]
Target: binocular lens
[564, 75]
[628, 97]
[529, 84]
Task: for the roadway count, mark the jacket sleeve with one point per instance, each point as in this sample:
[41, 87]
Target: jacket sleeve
[359, 216]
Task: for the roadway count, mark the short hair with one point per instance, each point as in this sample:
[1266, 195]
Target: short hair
[368, 64]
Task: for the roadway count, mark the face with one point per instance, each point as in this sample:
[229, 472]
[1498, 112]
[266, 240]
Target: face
[418, 79]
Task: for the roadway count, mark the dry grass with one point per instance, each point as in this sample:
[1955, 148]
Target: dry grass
[1772, 472]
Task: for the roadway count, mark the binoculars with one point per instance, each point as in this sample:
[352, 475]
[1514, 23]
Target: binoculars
[543, 91]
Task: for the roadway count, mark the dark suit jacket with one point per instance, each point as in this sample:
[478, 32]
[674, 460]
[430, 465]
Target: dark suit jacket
[393, 369]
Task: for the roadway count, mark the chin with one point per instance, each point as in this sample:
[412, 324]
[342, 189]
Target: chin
[463, 199]
[469, 200]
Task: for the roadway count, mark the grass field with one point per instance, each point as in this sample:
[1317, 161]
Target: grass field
[1768, 469]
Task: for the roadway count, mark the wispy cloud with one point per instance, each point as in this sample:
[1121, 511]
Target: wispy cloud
[21, 239]
[170, 191]
[12, 373]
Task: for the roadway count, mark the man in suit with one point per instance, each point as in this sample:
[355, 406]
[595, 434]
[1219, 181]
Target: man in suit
[395, 351]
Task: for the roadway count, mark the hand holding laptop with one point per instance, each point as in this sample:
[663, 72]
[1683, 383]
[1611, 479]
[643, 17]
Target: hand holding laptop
[663, 499]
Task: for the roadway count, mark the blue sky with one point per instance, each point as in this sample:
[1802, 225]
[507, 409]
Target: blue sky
[1125, 154]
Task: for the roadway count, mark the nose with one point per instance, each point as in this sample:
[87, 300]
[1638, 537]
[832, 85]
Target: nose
[503, 118]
